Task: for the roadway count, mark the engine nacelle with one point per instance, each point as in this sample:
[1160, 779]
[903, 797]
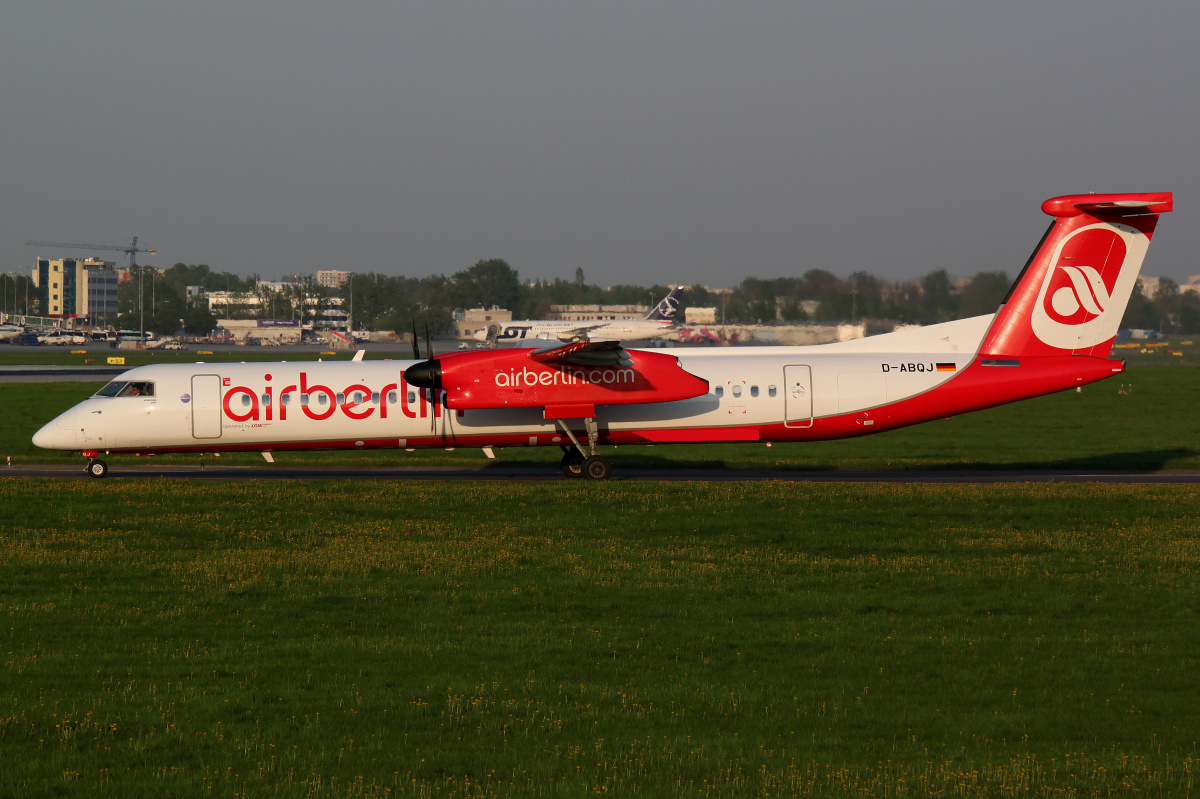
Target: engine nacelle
[513, 379]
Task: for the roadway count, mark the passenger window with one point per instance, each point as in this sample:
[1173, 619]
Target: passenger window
[720, 391]
[412, 397]
[754, 391]
[358, 397]
[322, 399]
[266, 400]
[771, 391]
[285, 399]
[341, 398]
[737, 391]
[246, 400]
[391, 397]
[303, 399]
[375, 397]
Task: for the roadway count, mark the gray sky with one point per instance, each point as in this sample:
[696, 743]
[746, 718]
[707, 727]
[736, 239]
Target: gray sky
[671, 141]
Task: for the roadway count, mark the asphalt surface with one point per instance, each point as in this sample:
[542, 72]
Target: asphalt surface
[216, 472]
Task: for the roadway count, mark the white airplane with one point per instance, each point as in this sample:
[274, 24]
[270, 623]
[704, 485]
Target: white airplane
[657, 321]
[1053, 332]
[10, 332]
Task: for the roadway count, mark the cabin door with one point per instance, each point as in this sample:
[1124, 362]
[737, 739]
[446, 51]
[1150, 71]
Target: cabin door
[797, 396]
[206, 406]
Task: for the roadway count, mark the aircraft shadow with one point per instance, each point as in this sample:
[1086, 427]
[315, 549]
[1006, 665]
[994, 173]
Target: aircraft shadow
[1151, 460]
[1144, 460]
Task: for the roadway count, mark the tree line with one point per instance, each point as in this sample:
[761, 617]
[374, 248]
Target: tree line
[160, 300]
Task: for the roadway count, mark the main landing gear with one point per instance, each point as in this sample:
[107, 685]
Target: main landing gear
[579, 462]
[593, 467]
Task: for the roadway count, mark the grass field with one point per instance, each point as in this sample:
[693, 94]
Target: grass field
[1153, 427]
[369, 638]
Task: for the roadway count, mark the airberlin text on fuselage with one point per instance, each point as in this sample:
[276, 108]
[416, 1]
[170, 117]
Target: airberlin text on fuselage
[528, 377]
[356, 401]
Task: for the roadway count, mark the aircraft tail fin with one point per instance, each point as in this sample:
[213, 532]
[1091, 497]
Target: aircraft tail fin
[665, 310]
[493, 335]
[1072, 293]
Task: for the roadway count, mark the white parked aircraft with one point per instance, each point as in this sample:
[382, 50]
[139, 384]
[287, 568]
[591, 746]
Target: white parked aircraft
[1054, 331]
[658, 321]
[8, 332]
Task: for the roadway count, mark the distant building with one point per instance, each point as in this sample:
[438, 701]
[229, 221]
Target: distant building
[468, 323]
[579, 313]
[334, 315]
[225, 299]
[332, 278]
[1191, 284]
[700, 316]
[76, 287]
[1148, 286]
[275, 331]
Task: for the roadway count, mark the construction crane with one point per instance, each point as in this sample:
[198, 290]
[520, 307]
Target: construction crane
[130, 250]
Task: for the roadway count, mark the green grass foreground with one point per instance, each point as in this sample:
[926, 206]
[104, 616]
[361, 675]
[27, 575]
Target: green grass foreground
[369, 638]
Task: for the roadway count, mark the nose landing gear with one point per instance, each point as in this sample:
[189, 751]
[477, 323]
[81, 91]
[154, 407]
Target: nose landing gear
[95, 467]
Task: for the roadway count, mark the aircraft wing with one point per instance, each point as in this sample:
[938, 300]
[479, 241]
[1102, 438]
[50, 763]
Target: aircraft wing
[578, 332]
[585, 353]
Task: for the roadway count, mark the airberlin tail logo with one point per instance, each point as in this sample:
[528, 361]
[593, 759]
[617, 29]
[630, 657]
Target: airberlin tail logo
[1093, 270]
[1086, 292]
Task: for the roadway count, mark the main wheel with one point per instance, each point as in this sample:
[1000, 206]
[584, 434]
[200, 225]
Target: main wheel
[597, 467]
[97, 468]
[571, 464]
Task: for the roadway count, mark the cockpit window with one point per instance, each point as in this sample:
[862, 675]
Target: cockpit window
[126, 388]
[138, 389]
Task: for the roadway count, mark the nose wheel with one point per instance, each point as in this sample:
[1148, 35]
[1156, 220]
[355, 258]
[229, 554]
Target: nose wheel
[96, 468]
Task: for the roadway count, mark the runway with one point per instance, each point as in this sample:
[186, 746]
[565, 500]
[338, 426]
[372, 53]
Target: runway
[493, 473]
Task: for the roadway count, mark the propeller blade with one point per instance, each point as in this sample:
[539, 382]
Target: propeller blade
[433, 391]
[416, 346]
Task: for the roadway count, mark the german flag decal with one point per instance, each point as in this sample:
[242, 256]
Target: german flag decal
[947, 367]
